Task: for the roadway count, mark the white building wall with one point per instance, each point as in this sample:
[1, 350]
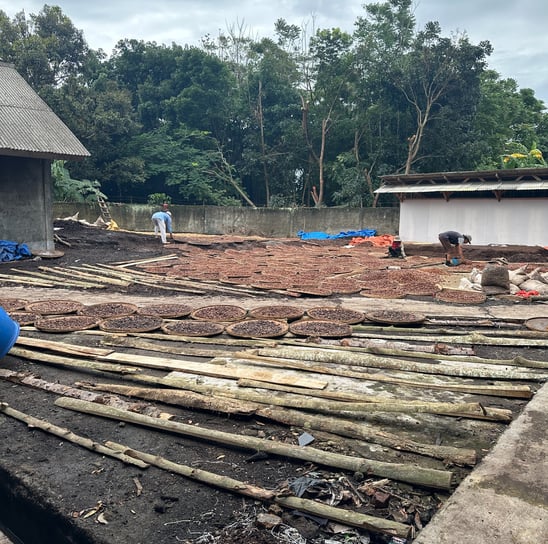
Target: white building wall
[511, 221]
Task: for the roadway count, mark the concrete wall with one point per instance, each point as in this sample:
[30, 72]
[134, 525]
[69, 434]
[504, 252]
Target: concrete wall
[512, 221]
[25, 198]
[270, 223]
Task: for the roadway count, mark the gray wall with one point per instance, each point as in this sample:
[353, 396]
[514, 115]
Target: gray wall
[25, 197]
[270, 223]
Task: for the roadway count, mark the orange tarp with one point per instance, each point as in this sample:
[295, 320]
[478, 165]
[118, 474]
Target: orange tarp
[385, 240]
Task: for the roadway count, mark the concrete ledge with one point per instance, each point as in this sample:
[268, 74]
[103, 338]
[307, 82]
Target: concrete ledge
[505, 499]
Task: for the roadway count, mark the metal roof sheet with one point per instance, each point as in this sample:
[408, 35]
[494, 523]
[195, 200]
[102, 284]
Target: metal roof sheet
[28, 126]
[464, 187]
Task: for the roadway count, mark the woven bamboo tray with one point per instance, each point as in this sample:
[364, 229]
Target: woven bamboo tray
[257, 328]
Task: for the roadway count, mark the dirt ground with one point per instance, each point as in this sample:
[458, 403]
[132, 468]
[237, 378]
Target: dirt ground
[52, 490]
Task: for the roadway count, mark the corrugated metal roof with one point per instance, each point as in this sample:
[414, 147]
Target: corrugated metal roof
[464, 187]
[28, 126]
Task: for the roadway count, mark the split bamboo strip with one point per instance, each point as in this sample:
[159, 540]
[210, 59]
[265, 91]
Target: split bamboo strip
[104, 270]
[371, 361]
[346, 517]
[26, 281]
[68, 435]
[60, 282]
[123, 264]
[37, 356]
[74, 271]
[440, 478]
[211, 286]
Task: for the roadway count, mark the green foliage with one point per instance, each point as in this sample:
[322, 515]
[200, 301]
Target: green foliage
[518, 156]
[67, 189]
[187, 161]
[263, 120]
[158, 198]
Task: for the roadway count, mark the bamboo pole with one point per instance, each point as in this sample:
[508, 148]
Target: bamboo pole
[69, 436]
[428, 477]
[486, 413]
[418, 352]
[515, 391]
[516, 361]
[308, 401]
[371, 361]
[342, 427]
[57, 281]
[82, 394]
[346, 517]
[466, 338]
[26, 281]
[74, 271]
[124, 264]
[149, 346]
[219, 341]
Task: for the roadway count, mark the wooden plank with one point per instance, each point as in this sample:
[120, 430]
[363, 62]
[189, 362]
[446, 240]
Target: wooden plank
[215, 370]
[61, 347]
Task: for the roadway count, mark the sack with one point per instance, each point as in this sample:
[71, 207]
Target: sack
[495, 275]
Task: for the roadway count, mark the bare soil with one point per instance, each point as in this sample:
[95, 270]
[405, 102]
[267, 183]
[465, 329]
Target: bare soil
[54, 491]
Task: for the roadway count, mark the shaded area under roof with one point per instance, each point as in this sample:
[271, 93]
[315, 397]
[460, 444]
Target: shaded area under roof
[28, 126]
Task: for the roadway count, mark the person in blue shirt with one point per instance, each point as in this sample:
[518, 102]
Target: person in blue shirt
[452, 242]
[162, 223]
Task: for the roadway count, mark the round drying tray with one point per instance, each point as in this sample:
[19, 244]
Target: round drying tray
[65, 323]
[460, 296]
[393, 317]
[277, 311]
[325, 329]
[13, 303]
[257, 328]
[54, 307]
[336, 313]
[193, 328]
[105, 310]
[537, 324]
[167, 311]
[220, 312]
[24, 318]
[131, 323]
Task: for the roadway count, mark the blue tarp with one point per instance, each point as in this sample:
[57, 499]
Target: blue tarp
[12, 251]
[365, 233]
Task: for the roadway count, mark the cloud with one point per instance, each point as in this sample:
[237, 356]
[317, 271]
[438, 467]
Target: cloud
[515, 29]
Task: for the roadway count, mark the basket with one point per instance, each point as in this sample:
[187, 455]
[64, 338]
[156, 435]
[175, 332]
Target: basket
[257, 328]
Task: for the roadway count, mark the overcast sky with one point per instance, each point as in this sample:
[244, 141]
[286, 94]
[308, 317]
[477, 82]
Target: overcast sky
[515, 28]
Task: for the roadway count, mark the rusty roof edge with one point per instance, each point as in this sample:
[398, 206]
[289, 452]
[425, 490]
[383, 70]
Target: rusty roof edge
[470, 175]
